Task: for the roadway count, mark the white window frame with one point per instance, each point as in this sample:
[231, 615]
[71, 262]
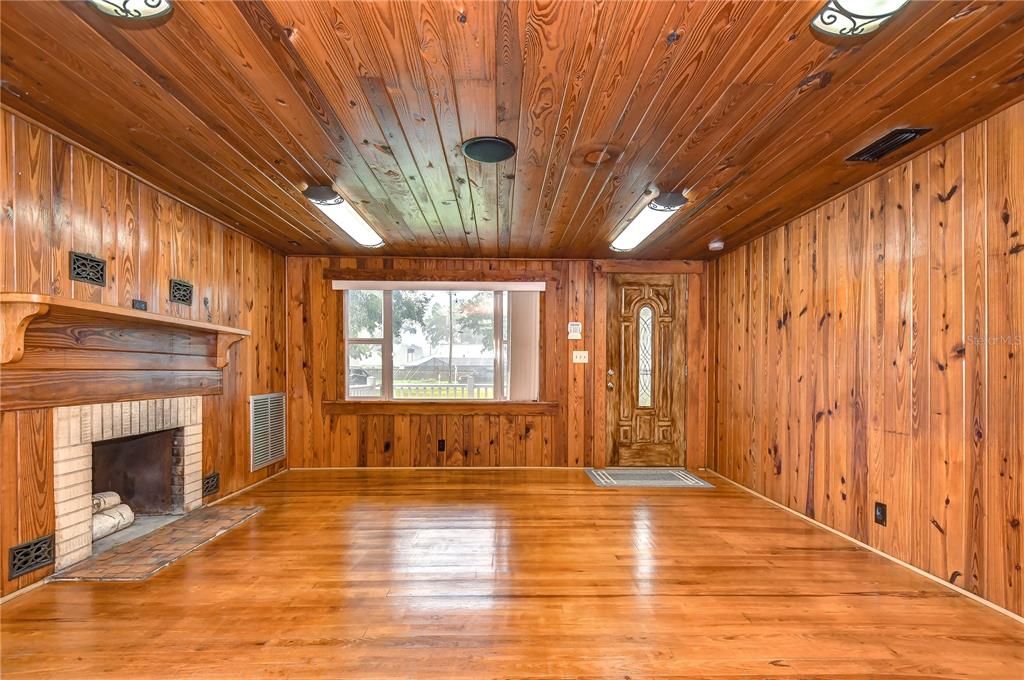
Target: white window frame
[386, 341]
[497, 286]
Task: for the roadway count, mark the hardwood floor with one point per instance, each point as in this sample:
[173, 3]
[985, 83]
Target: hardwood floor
[510, 573]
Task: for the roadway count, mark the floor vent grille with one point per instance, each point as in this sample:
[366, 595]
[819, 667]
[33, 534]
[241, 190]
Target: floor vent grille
[30, 556]
[211, 484]
[267, 428]
[886, 144]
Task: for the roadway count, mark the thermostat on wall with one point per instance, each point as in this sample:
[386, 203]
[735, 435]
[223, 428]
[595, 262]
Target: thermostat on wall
[575, 330]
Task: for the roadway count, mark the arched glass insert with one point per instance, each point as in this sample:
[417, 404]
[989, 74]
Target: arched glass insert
[645, 355]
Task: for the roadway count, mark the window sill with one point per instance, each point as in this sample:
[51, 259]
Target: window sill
[465, 407]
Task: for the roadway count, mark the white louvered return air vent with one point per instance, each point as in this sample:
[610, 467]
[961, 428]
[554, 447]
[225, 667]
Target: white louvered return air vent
[266, 428]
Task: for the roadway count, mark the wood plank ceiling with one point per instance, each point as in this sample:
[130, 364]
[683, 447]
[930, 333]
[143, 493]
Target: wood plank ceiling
[234, 106]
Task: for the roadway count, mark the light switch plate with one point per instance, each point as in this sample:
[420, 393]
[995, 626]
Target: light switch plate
[580, 356]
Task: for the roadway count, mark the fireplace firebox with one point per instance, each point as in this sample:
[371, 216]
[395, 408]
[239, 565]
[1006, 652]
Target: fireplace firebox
[146, 471]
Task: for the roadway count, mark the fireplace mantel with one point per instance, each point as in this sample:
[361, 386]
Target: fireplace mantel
[58, 352]
[19, 309]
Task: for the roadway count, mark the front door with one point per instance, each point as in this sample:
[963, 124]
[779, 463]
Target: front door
[646, 370]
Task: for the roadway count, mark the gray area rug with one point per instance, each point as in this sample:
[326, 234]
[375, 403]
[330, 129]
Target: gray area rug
[652, 477]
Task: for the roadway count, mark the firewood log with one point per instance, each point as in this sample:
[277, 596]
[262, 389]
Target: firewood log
[110, 520]
[104, 500]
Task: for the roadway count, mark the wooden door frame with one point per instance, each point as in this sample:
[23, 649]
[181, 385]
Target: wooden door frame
[698, 355]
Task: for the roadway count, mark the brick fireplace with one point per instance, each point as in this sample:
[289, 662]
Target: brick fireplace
[77, 428]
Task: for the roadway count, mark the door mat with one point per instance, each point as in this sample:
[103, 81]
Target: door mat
[652, 477]
[144, 556]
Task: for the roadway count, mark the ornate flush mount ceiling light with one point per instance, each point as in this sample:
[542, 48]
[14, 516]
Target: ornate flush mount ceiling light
[133, 9]
[647, 220]
[851, 18]
[341, 212]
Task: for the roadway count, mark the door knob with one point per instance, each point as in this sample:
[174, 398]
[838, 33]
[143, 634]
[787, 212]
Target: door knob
[611, 385]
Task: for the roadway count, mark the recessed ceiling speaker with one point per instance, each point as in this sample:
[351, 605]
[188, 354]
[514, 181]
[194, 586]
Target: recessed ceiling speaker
[488, 149]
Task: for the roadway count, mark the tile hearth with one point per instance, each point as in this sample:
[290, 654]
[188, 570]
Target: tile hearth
[139, 559]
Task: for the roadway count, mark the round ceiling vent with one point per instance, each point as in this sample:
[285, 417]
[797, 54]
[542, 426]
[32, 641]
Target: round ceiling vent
[488, 149]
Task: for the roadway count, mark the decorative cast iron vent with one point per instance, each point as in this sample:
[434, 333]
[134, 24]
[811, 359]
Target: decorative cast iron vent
[30, 556]
[88, 269]
[211, 484]
[887, 143]
[181, 292]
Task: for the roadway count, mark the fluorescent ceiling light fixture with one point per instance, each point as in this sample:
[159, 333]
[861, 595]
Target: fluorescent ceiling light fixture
[653, 215]
[341, 212]
[133, 9]
[849, 18]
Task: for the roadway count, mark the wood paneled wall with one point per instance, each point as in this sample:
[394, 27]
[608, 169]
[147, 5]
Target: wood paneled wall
[559, 432]
[873, 350]
[57, 197]
[26, 487]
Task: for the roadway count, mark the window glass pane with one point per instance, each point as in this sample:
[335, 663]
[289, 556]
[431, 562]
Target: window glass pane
[422, 328]
[444, 344]
[474, 343]
[645, 353]
[365, 314]
[506, 325]
[365, 368]
[524, 345]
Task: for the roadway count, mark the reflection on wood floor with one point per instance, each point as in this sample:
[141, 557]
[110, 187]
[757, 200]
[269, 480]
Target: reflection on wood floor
[510, 573]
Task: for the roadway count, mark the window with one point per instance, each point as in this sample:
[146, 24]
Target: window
[645, 356]
[432, 344]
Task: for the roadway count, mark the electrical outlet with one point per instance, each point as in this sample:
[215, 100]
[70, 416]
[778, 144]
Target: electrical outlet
[440, 445]
[880, 510]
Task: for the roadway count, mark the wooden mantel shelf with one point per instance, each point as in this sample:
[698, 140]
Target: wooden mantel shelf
[17, 310]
